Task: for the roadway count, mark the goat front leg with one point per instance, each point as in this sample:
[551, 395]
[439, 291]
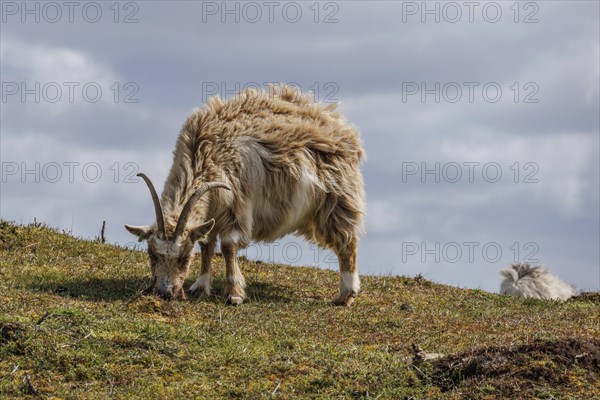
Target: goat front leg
[235, 282]
[204, 281]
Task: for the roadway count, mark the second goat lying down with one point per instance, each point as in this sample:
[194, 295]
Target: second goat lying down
[256, 168]
[526, 281]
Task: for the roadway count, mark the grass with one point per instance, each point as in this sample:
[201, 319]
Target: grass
[73, 326]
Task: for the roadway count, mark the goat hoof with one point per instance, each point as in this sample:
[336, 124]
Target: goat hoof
[344, 301]
[235, 300]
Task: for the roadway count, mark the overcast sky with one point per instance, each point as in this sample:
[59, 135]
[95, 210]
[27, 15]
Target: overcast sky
[480, 119]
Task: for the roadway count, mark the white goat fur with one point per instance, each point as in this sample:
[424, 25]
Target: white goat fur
[293, 168]
[536, 282]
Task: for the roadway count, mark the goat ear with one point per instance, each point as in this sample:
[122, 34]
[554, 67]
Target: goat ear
[142, 232]
[201, 231]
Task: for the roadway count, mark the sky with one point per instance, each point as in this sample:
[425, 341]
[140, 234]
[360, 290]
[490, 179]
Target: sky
[480, 120]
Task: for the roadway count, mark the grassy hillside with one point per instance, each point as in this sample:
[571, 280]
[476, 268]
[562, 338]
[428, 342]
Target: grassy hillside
[73, 325]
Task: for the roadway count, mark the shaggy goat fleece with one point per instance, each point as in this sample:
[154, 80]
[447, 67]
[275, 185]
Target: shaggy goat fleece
[261, 144]
[536, 282]
[277, 163]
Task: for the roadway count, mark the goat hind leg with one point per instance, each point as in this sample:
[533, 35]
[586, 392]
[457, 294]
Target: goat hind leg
[349, 280]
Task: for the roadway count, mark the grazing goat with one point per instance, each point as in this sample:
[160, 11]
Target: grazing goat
[271, 164]
[526, 281]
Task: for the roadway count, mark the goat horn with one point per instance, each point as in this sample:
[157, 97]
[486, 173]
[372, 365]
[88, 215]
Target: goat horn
[160, 219]
[187, 209]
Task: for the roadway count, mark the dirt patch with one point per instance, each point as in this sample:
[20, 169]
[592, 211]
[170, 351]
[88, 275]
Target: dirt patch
[10, 331]
[519, 371]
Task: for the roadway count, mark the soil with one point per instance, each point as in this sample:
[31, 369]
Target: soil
[522, 371]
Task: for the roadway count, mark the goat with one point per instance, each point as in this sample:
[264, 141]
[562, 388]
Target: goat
[255, 168]
[526, 281]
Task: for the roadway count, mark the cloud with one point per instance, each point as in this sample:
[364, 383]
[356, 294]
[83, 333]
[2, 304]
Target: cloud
[78, 97]
[369, 55]
[49, 63]
[61, 75]
[56, 182]
[556, 169]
